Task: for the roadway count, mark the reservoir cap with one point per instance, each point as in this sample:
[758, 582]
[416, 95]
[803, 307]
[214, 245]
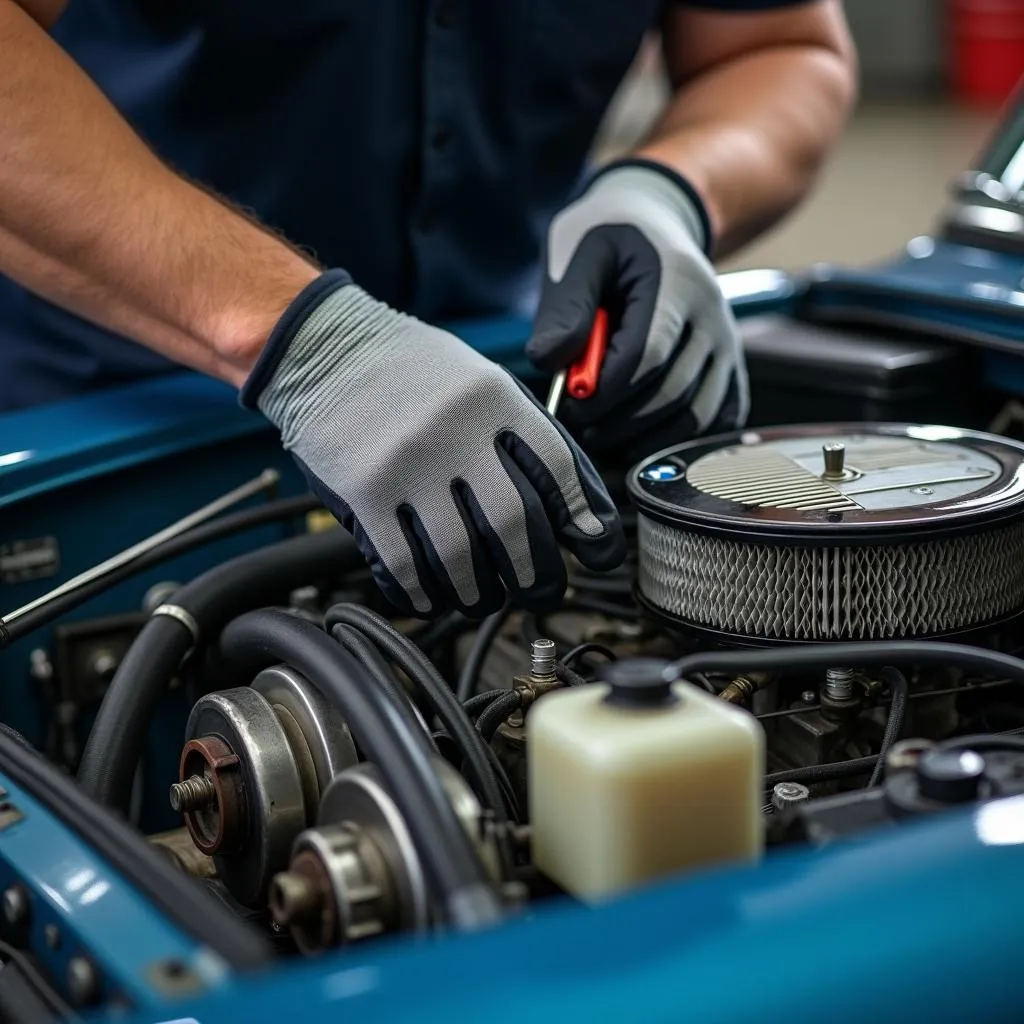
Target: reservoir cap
[639, 683]
[952, 776]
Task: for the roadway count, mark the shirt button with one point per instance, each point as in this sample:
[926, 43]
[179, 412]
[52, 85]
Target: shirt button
[446, 15]
[440, 138]
[426, 222]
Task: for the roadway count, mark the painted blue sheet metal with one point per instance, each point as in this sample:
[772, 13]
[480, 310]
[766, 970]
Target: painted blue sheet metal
[96, 911]
[973, 294]
[924, 922]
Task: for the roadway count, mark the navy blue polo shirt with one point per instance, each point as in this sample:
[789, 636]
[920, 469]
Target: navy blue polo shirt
[423, 145]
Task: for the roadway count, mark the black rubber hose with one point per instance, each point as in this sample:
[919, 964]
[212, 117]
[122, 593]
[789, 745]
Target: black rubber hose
[370, 658]
[568, 676]
[855, 655]
[511, 802]
[225, 526]
[400, 752]
[15, 737]
[496, 712]
[118, 735]
[588, 648]
[897, 683]
[701, 680]
[403, 652]
[212, 599]
[149, 872]
[469, 678]
[443, 628]
[823, 772]
[476, 704]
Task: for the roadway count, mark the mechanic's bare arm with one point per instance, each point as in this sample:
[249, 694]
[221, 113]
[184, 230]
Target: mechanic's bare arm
[758, 100]
[92, 220]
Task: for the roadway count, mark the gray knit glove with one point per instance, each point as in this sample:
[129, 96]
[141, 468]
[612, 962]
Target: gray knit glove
[635, 243]
[455, 483]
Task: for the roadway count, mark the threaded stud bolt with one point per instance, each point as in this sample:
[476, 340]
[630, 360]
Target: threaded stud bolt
[193, 793]
[542, 658]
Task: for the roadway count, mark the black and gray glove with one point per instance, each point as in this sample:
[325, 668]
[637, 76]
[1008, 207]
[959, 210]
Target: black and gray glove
[455, 483]
[635, 243]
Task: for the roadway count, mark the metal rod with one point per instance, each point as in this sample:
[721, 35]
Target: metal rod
[556, 392]
[264, 482]
[877, 488]
[916, 695]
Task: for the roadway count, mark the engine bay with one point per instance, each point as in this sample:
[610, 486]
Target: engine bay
[815, 636]
[895, 544]
[814, 643]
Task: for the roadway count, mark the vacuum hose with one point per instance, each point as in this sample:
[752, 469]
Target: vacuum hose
[390, 740]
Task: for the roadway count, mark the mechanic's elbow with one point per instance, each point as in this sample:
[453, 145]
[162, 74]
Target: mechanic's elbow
[832, 86]
[845, 79]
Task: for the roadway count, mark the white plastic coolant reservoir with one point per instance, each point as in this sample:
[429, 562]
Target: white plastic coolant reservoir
[640, 779]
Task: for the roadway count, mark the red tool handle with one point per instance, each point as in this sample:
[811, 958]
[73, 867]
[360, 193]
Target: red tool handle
[582, 379]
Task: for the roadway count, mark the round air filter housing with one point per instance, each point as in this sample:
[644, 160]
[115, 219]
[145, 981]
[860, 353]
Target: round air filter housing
[834, 532]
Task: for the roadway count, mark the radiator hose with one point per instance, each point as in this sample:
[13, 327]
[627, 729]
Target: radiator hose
[249, 581]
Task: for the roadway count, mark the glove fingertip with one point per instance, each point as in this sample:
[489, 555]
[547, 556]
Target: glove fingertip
[551, 348]
[603, 553]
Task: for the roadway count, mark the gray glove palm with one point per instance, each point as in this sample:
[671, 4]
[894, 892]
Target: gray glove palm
[633, 242]
[455, 483]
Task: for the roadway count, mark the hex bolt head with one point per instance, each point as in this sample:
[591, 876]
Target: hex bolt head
[83, 981]
[786, 794]
[808, 696]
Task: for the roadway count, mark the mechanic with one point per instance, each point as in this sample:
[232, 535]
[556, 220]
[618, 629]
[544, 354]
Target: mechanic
[176, 175]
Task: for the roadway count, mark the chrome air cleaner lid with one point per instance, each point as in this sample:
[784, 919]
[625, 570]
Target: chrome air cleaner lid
[840, 531]
[890, 477]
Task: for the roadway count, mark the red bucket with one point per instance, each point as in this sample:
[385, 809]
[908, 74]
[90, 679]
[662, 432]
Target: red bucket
[987, 41]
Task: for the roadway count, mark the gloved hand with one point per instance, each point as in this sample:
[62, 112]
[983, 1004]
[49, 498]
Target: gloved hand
[635, 243]
[454, 482]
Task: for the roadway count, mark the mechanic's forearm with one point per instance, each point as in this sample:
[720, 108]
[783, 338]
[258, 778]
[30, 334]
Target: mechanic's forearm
[93, 221]
[750, 134]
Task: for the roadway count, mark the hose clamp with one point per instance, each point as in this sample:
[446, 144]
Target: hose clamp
[182, 615]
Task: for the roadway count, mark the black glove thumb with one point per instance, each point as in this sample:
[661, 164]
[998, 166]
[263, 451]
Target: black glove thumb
[568, 306]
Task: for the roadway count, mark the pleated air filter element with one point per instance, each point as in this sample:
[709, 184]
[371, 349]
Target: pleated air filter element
[837, 532]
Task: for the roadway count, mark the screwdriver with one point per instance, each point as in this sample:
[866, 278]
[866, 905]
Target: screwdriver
[581, 377]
